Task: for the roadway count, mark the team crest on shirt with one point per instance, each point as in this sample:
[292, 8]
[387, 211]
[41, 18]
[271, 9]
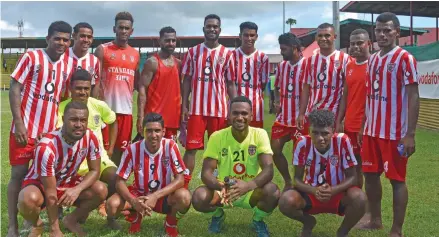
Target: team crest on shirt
[165, 161]
[113, 56]
[221, 60]
[337, 63]
[252, 150]
[334, 160]
[91, 70]
[390, 67]
[82, 153]
[132, 59]
[96, 119]
[224, 152]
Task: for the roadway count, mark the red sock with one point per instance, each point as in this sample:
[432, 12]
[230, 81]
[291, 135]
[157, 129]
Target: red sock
[136, 220]
[171, 226]
[187, 180]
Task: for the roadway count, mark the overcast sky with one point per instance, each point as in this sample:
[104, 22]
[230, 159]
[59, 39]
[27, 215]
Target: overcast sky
[186, 17]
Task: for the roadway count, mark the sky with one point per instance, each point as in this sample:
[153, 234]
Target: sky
[185, 17]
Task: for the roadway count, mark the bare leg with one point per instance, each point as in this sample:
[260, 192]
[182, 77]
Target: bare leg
[205, 200]
[400, 199]
[374, 194]
[117, 156]
[180, 201]
[266, 198]
[189, 160]
[279, 159]
[89, 200]
[115, 204]
[291, 204]
[18, 172]
[355, 203]
[30, 200]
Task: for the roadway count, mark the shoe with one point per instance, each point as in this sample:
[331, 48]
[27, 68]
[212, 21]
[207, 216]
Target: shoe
[216, 224]
[261, 228]
[101, 210]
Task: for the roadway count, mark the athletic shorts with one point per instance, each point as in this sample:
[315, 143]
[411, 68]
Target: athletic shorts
[354, 142]
[197, 125]
[334, 206]
[36, 182]
[19, 154]
[279, 130]
[257, 124]
[171, 133]
[161, 206]
[242, 202]
[124, 129]
[105, 163]
[380, 155]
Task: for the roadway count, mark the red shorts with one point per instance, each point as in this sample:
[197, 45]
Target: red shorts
[354, 142]
[124, 130]
[334, 205]
[278, 131]
[257, 124]
[19, 154]
[36, 182]
[161, 206]
[171, 133]
[380, 155]
[197, 125]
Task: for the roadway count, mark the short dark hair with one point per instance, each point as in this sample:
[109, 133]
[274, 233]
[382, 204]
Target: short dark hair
[360, 31]
[75, 105]
[212, 16]
[322, 118]
[325, 25]
[80, 25]
[248, 25]
[167, 29]
[388, 16]
[123, 16]
[241, 98]
[59, 26]
[153, 117]
[289, 39]
[80, 75]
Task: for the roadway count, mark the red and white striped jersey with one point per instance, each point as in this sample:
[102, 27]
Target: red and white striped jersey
[43, 83]
[251, 74]
[55, 158]
[325, 75]
[88, 62]
[325, 168]
[289, 80]
[386, 95]
[210, 70]
[152, 172]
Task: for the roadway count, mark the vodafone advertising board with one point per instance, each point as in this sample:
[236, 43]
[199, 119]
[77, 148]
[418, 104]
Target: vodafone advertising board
[428, 72]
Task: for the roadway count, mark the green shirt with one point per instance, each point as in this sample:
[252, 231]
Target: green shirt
[239, 160]
[272, 82]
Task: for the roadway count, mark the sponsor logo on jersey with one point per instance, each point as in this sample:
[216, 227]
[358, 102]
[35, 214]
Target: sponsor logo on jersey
[239, 168]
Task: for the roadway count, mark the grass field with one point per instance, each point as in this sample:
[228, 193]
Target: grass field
[422, 218]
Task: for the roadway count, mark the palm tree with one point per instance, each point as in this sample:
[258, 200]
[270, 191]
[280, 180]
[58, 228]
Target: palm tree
[291, 22]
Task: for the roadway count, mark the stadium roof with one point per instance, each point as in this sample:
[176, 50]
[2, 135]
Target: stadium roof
[419, 8]
[349, 25]
[136, 42]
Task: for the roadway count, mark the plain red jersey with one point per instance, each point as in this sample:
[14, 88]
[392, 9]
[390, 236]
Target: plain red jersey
[252, 72]
[44, 81]
[88, 62]
[289, 80]
[325, 75]
[152, 172]
[118, 72]
[55, 158]
[324, 168]
[356, 99]
[163, 95]
[387, 99]
[209, 70]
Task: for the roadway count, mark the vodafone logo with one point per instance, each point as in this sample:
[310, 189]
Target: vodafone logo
[239, 168]
[376, 85]
[290, 87]
[50, 87]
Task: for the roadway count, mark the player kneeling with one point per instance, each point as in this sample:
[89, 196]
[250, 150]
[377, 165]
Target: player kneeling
[239, 153]
[52, 181]
[153, 160]
[328, 161]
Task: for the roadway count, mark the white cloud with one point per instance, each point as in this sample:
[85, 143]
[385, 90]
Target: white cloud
[327, 12]
[268, 43]
[348, 15]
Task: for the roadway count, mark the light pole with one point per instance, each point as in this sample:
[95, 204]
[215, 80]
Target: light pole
[336, 22]
[283, 20]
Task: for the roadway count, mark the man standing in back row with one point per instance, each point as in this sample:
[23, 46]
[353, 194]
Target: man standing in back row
[159, 85]
[324, 76]
[251, 71]
[209, 72]
[392, 109]
[119, 63]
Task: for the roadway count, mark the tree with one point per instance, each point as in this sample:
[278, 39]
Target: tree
[291, 22]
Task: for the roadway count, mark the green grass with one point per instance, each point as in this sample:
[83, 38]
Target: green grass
[422, 217]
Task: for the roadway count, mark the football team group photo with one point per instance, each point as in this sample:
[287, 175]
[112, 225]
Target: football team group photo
[101, 144]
